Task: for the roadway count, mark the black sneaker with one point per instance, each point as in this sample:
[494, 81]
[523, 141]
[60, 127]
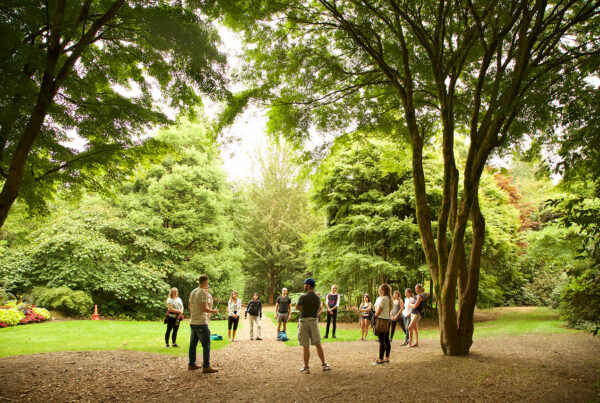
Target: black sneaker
[334, 336]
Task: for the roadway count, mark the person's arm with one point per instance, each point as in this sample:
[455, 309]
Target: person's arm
[238, 308]
[419, 299]
[290, 309]
[260, 309]
[276, 306]
[170, 308]
[337, 304]
[205, 308]
[299, 304]
[320, 308]
[378, 311]
[246, 312]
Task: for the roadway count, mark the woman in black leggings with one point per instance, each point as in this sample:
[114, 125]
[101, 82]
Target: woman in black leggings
[382, 312]
[233, 310]
[174, 316]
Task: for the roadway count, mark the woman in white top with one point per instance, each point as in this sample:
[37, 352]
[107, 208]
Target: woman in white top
[406, 313]
[233, 310]
[174, 316]
[382, 311]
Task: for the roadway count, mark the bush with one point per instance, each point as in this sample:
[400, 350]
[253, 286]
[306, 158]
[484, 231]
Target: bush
[580, 305]
[63, 299]
[10, 317]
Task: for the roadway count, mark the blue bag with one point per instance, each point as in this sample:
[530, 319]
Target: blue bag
[283, 336]
[216, 337]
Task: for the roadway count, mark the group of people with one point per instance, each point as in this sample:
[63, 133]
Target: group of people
[384, 315]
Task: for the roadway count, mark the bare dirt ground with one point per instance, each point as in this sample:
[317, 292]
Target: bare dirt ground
[544, 367]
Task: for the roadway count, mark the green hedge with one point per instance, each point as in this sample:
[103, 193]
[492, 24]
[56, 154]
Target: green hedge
[65, 300]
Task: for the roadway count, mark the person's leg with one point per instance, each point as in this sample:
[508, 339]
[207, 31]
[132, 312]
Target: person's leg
[285, 325]
[174, 335]
[204, 337]
[236, 321]
[328, 323]
[381, 346]
[229, 324]
[334, 322]
[411, 329]
[406, 324]
[278, 323]
[252, 318]
[392, 328]
[258, 327]
[306, 355]
[388, 346]
[193, 344]
[168, 332]
[320, 352]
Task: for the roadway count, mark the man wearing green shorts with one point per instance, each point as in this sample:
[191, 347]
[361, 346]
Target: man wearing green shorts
[308, 326]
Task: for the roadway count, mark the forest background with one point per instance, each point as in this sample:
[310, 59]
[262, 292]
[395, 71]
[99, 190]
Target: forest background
[121, 222]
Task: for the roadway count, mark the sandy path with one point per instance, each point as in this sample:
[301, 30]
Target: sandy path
[547, 367]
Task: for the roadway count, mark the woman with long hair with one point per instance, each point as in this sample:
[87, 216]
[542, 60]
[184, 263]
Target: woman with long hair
[382, 317]
[408, 293]
[365, 316]
[174, 316]
[234, 306]
[397, 308]
[415, 316]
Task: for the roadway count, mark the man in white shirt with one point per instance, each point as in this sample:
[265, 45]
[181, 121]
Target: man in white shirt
[200, 306]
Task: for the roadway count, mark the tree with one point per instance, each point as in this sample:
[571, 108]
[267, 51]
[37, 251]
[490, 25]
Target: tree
[490, 69]
[276, 221]
[61, 64]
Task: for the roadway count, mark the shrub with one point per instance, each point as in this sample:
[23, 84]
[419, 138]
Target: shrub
[580, 305]
[10, 317]
[63, 299]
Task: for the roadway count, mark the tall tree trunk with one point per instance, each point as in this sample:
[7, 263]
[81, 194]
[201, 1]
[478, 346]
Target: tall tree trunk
[272, 287]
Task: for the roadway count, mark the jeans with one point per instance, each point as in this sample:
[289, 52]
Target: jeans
[253, 320]
[200, 333]
[329, 317]
[406, 321]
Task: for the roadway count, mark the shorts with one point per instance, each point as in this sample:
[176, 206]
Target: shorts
[415, 318]
[308, 332]
[282, 317]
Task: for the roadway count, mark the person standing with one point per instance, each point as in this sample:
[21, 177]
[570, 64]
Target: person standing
[382, 313]
[415, 316]
[365, 317]
[200, 306]
[396, 313]
[333, 302]
[406, 313]
[234, 307]
[283, 308]
[309, 333]
[174, 316]
[254, 309]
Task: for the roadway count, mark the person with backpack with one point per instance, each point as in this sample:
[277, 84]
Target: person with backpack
[417, 306]
[382, 323]
[254, 309]
[283, 310]
[333, 303]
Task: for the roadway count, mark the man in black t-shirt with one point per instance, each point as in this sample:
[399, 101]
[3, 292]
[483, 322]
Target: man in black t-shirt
[283, 309]
[309, 305]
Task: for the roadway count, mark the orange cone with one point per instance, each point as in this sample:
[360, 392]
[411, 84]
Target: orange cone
[95, 315]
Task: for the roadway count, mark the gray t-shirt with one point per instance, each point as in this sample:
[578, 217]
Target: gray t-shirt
[284, 304]
[310, 303]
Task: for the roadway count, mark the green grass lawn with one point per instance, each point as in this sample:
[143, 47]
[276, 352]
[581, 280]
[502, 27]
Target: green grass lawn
[510, 323]
[86, 335]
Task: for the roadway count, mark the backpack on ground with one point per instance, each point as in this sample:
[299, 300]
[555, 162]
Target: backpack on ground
[216, 337]
[283, 336]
